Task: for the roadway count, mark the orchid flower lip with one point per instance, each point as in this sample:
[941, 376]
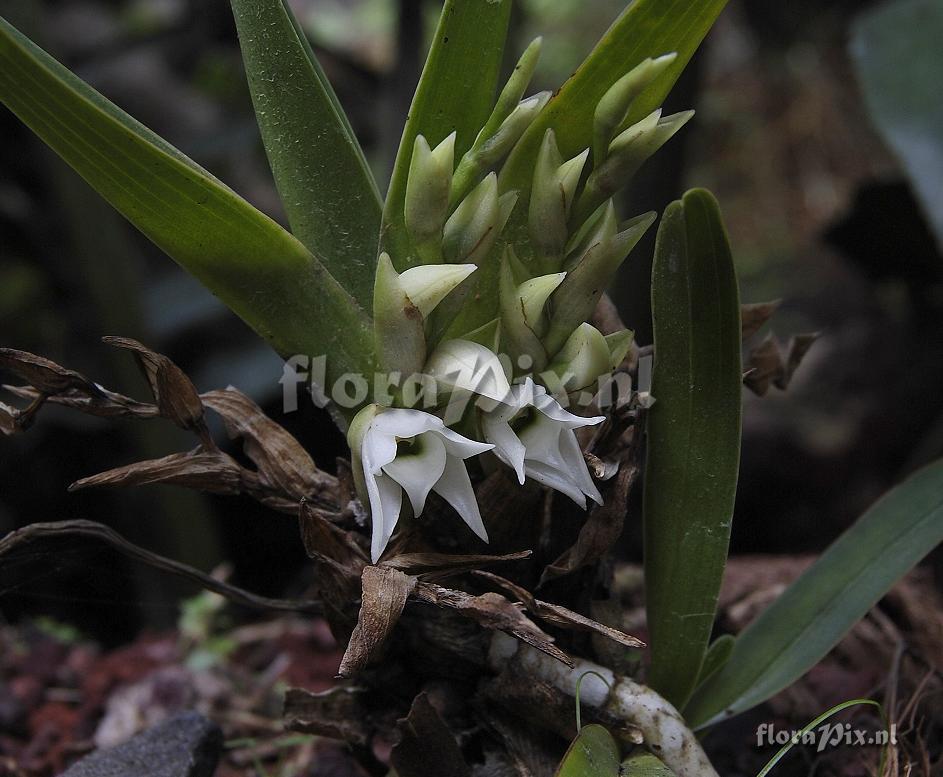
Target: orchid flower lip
[544, 447]
[414, 452]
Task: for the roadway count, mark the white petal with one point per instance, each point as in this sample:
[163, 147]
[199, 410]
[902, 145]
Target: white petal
[405, 423]
[507, 446]
[376, 450]
[460, 446]
[547, 405]
[555, 479]
[466, 365]
[455, 488]
[417, 472]
[386, 499]
[541, 437]
[576, 466]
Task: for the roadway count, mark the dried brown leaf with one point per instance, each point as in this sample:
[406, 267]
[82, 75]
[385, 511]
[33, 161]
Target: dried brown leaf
[213, 472]
[176, 396]
[7, 420]
[559, 615]
[491, 611]
[384, 596]
[798, 347]
[444, 563]
[338, 714]
[338, 564]
[766, 365]
[754, 315]
[283, 464]
[45, 375]
[602, 528]
[426, 746]
[107, 404]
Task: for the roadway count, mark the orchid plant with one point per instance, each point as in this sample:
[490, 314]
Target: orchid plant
[473, 294]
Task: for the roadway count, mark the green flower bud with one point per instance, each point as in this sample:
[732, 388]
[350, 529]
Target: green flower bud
[514, 89]
[518, 339]
[551, 199]
[401, 304]
[488, 150]
[488, 335]
[576, 299]
[626, 154]
[472, 229]
[427, 196]
[583, 359]
[534, 294]
[619, 344]
[613, 107]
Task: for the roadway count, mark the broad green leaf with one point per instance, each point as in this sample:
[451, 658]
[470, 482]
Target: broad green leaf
[896, 51]
[693, 438]
[794, 633]
[643, 764]
[647, 28]
[455, 94]
[327, 189]
[594, 753]
[258, 269]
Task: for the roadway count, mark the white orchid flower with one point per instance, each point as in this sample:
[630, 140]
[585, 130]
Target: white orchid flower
[412, 451]
[535, 436]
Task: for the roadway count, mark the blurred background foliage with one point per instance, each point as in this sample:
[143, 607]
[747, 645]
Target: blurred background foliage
[796, 133]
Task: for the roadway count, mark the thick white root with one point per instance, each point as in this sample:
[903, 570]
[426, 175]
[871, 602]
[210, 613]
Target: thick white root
[665, 731]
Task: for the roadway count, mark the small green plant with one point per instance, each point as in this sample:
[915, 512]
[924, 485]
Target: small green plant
[458, 325]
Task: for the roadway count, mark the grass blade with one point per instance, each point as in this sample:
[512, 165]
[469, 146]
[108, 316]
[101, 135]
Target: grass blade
[814, 613]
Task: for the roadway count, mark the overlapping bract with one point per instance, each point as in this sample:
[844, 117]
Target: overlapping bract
[537, 289]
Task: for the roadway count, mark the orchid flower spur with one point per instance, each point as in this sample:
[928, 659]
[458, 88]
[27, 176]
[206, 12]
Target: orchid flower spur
[535, 436]
[413, 451]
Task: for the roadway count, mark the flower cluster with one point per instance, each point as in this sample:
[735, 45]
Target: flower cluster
[454, 291]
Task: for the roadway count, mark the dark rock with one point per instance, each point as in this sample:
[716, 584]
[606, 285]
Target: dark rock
[187, 745]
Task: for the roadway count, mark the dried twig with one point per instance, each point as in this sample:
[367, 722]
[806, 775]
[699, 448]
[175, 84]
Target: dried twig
[98, 531]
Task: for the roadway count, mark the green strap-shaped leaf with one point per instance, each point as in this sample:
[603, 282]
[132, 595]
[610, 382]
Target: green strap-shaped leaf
[647, 28]
[794, 633]
[327, 189]
[693, 438]
[455, 94]
[257, 268]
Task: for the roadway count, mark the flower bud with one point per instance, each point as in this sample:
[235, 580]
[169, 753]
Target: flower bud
[514, 89]
[522, 311]
[578, 295]
[472, 229]
[401, 304]
[613, 107]
[551, 199]
[626, 154]
[427, 196]
[466, 366]
[619, 344]
[583, 359]
[488, 150]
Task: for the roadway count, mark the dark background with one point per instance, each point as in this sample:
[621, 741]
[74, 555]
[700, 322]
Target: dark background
[818, 209]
